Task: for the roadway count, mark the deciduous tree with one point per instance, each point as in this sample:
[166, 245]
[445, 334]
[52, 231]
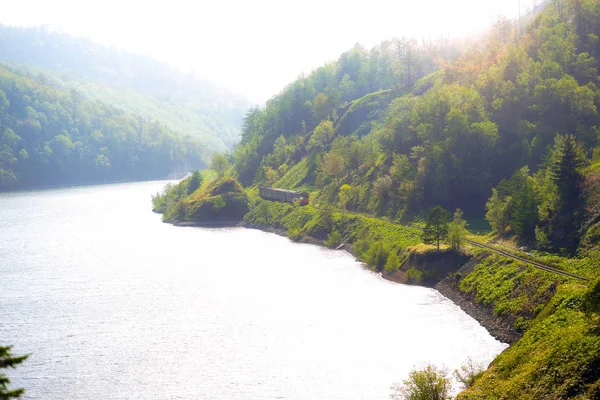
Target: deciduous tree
[436, 228]
[457, 231]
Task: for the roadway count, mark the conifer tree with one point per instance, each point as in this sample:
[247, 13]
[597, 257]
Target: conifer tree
[7, 360]
[562, 222]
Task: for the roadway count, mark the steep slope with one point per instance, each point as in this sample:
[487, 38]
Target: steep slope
[442, 139]
[50, 136]
[136, 84]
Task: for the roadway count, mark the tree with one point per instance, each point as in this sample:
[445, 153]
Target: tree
[348, 196]
[321, 136]
[436, 227]
[565, 173]
[7, 360]
[333, 165]
[497, 211]
[523, 207]
[393, 262]
[195, 182]
[220, 164]
[457, 231]
[430, 383]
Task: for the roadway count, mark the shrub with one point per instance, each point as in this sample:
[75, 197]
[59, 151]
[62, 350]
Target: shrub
[414, 275]
[295, 234]
[334, 239]
[393, 263]
[377, 255]
[591, 299]
[430, 383]
[194, 182]
[468, 373]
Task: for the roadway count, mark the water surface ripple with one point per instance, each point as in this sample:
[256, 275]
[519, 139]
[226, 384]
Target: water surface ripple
[113, 304]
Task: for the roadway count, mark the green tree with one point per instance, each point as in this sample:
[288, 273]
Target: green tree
[7, 360]
[436, 227]
[321, 136]
[429, 383]
[333, 165]
[220, 164]
[562, 226]
[524, 204]
[393, 262]
[348, 196]
[457, 231]
[195, 182]
[497, 211]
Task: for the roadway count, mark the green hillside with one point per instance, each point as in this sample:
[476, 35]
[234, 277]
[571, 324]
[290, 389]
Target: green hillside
[404, 130]
[52, 136]
[136, 84]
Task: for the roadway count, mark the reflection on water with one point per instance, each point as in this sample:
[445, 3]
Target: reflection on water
[113, 304]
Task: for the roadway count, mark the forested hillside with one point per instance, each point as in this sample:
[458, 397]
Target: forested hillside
[50, 136]
[403, 128]
[134, 83]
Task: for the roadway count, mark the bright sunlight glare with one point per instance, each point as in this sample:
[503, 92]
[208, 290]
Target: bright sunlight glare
[255, 47]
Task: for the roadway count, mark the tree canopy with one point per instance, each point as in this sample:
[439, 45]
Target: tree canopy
[50, 136]
[505, 129]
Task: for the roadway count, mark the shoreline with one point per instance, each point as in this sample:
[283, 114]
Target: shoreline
[497, 328]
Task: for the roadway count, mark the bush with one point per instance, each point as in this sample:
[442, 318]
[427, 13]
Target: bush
[414, 275]
[591, 299]
[377, 255]
[334, 239]
[295, 234]
[430, 383]
[468, 373]
[194, 182]
[392, 264]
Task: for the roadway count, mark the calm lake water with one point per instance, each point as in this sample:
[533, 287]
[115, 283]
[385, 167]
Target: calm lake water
[113, 304]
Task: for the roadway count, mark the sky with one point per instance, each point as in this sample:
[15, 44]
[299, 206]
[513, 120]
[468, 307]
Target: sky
[255, 47]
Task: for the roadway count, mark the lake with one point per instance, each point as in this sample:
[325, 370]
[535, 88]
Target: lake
[111, 303]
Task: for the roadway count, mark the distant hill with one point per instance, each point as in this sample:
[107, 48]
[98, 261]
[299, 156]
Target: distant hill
[134, 83]
[53, 136]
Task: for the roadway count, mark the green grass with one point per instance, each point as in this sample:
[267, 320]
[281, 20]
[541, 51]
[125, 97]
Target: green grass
[513, 289]
[325, 223]
[295, 176]
[557, 358]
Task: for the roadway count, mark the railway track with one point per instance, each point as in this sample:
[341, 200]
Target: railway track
[530, 262]
[534, 264]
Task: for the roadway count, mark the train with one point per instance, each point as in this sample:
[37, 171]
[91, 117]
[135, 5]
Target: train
[288, 196]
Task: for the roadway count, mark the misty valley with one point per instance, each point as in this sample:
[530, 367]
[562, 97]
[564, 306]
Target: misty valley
[414, 218]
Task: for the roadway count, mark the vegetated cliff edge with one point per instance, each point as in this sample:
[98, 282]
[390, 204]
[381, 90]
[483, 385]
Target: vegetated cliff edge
[219, 201]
